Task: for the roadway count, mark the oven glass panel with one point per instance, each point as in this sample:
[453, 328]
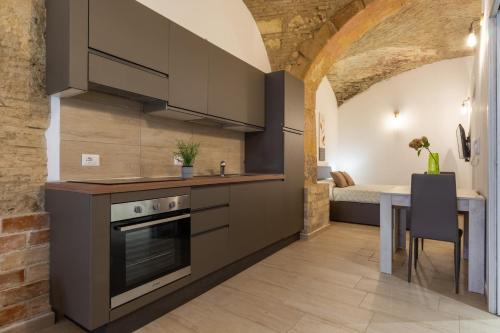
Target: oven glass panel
[145, 254]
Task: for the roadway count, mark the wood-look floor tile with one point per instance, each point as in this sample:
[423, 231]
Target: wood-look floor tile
[310, 323]
[383, 323]
[269, 313]
[404, 292]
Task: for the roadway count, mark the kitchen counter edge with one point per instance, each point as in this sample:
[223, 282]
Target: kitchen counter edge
[93, 189]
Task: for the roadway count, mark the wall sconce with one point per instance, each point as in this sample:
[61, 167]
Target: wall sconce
[396, 122]
[465, 108]
[471, 38]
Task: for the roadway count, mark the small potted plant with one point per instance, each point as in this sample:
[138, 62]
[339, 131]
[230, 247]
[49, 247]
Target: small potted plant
[423, 143]
[186, 154]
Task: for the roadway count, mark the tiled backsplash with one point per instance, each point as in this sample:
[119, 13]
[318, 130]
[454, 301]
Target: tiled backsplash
[132, 144]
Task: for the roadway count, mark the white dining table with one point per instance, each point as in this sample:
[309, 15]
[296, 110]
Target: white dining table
[469, 202]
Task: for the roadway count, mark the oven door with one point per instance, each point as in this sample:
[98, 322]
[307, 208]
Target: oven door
[148, 253]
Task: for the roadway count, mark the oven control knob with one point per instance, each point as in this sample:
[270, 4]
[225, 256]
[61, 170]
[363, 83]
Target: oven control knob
[171, 205]
[156, 206]
[138, 209]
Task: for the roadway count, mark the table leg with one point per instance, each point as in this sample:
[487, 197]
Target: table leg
[385, 233]
[477, 227]
[402, 229]
[466, 235]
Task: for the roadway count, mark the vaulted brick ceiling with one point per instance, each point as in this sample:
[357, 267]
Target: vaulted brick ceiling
[425, 31]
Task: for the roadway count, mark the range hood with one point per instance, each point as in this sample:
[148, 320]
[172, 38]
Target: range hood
[162, 109]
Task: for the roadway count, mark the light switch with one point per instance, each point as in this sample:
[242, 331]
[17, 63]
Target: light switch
[90, 160]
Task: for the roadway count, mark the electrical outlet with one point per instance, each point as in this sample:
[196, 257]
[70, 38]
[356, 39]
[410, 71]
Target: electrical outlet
[177, 162]
[90, 160]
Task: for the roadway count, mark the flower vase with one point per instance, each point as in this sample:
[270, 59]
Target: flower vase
[433, 164]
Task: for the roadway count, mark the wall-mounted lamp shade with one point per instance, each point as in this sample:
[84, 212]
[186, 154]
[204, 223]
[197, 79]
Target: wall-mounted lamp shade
[396, 122]
[472, 40]
[465, 108]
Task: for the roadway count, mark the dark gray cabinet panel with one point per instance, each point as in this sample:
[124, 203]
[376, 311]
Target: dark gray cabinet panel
[294, 183]
[67, 45]
[209, 196]
[188, 70]
[109, 73]
[256, 215]
[209, 252]
[131, 31]
[210, 219]
[236, 90]
[294, 102]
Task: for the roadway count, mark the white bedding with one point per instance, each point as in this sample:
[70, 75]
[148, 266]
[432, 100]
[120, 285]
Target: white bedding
[357, 193]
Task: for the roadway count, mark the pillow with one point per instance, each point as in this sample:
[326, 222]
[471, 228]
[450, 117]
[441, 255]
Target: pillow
[339, 180]
[348, 178]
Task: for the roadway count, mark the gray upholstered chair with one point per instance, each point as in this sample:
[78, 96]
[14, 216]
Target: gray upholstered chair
[433, 215]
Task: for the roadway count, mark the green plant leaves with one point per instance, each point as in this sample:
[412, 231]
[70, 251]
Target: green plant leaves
[186, 152]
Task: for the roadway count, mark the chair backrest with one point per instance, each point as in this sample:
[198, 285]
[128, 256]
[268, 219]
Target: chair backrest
[434, 207]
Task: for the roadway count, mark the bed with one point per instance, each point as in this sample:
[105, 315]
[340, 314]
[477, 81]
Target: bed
[354, 204]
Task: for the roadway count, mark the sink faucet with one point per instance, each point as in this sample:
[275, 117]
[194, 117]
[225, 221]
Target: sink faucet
[222, 168]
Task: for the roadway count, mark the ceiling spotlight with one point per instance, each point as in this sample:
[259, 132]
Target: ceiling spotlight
[471, 39]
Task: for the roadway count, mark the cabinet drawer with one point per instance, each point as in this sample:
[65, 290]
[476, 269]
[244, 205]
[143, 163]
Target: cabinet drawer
[209, 196]
[209, 252]
[107, 72]
[209, 219]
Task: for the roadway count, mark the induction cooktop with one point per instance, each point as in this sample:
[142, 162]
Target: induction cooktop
[117, 181]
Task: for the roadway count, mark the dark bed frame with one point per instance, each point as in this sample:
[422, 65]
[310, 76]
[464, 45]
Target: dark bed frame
[351, 212]
[355, 212]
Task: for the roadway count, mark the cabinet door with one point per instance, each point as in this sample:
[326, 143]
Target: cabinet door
[294, 103]
[236, 90]
[188, 76]
[256, 215]
[294, 183]
[128, 30]
[209, 252]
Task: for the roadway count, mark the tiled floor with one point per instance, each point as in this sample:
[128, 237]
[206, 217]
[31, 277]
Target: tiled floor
[331, 284]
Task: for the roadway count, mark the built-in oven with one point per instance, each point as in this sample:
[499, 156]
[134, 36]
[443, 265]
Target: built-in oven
[150, 246]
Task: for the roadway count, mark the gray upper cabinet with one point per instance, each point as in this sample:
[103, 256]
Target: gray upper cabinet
[188, 64]
[294, 103]
[128, 30]
[236, 90]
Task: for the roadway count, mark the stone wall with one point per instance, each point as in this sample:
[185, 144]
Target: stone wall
[23, 120]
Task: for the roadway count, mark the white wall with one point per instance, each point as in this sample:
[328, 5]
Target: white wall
[225, 23]
[429, 100]
[326, 104]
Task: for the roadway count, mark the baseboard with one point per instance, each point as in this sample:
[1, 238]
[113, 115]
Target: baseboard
[31, 325]
[304, 235]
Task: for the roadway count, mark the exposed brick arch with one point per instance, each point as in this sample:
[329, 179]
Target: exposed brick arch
[354, 29]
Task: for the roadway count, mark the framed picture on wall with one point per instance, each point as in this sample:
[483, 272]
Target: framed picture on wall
[321, 137]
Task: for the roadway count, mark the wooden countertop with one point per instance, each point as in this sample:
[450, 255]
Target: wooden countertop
[92, 188]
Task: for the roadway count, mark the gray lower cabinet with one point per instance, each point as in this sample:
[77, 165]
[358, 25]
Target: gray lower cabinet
[129, 30]
[256, 215]
[209, 252]
[236, 90]
[188, 70]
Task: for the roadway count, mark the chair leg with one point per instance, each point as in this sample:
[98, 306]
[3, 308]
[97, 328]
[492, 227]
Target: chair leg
[416, 253]
[422, 244]
[410, 255]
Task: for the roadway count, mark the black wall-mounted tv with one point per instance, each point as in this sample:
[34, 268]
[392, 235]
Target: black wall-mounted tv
[463, 144]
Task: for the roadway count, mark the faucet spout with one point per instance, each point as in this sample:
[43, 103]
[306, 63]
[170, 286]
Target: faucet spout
[222, 168]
